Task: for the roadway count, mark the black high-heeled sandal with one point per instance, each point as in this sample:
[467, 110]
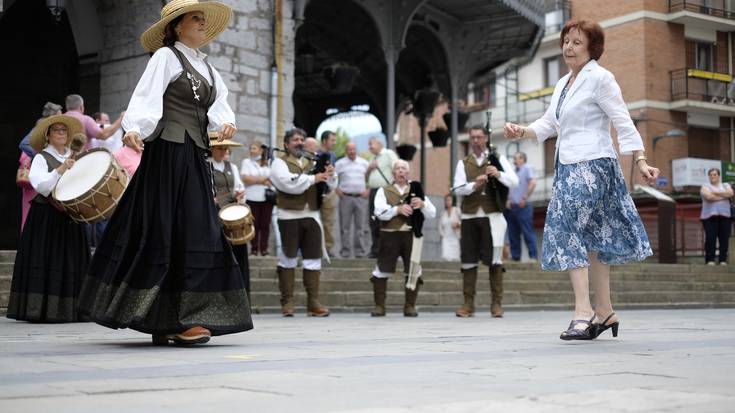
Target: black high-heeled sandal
[578, 334]
[600, 328]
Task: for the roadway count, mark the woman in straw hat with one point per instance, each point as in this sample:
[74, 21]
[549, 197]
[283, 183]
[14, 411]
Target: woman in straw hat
[229, 189]
[53, 253]
[164, 266]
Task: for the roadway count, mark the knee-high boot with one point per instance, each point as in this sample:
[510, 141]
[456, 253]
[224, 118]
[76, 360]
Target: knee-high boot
[380, 290]
[469, 286]
[496, 289]
[311, 284]
[286, 278]
[409, 308]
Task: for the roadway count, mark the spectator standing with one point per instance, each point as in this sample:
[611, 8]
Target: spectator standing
[329, 201]
[380, 174]
[75, 108]
[353, 200]
[49, 109]
[450, 223]
[114, 142]
[256, 175]
[520, 212]
[716, 216]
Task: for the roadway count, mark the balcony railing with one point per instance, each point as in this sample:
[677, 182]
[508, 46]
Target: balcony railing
[708, 7]
[703, 86]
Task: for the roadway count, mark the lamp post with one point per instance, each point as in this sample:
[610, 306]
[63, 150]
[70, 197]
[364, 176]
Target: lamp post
[671, 133]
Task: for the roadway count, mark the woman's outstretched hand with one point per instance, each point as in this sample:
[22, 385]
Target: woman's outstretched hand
[227, 132]
[648, 173]
[513, 131]
[132, 140]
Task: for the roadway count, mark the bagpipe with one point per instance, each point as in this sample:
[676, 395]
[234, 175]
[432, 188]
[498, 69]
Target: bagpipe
[493, 185]
[321, 161]
[415, 190]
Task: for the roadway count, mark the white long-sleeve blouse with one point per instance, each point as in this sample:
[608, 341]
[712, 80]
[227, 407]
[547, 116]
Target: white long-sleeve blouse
[41, 179]
[146, 105]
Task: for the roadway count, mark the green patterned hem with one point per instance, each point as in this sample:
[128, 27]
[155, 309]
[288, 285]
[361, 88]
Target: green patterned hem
[42, 308]
[153, 312]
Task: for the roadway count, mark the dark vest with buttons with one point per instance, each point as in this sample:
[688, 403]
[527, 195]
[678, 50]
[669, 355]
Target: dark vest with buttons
[182, 113]
[224, 184]
[52, 163]
[394, 198]
[293, 201]
[472, 202]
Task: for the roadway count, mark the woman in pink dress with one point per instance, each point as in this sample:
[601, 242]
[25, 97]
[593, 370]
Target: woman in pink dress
[26, 188]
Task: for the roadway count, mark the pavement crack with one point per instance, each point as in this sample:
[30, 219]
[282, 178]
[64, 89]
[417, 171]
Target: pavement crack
[276, 393]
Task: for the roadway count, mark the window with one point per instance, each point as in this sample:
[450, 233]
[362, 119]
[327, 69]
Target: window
[552, 70]
[704, 56]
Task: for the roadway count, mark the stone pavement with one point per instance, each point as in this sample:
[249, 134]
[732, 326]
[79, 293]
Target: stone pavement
[663, 360]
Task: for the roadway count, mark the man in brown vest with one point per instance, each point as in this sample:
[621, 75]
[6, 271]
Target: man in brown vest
[394, 207]
[479, 182]
[299, 223]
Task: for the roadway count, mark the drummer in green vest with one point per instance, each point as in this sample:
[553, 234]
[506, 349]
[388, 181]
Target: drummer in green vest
[299, 222]
[394, 207]
[482, 179]
[228, 189]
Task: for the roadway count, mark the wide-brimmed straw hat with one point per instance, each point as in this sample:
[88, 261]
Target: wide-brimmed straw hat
[226, 143]
[38, 135]
[217, 15]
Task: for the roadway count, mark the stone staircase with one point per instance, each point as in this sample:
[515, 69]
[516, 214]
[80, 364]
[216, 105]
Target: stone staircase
[345, 286]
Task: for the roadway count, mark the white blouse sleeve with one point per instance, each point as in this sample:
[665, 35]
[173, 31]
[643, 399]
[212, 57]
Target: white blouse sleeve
[429, 209]
[220, 112]
[461, 186]
[381, 209]
[610, 99]
[41, 179]
[508, 176]
[239, 185]
[146, 105]
[288, 182]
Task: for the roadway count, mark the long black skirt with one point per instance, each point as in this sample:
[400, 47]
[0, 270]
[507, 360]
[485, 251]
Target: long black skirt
[164, 264]
[52, 257]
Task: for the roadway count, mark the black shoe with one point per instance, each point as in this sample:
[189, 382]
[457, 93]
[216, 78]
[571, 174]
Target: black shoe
[579, 334]
[598, 329]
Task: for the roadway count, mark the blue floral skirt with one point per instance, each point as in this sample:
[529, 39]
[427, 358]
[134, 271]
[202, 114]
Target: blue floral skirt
[591, 210]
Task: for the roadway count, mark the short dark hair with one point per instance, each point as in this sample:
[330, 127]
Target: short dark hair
[169, 33]
[479, 127]
[592, 30]
[326, 134]
[713, 169]
[291, 132]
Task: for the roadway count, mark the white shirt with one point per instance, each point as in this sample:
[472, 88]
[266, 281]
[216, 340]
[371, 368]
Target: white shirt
[112, 144]
[41, 179]
[385, 159]
[583, 127]
[220, 166]
[385, 212]
[146, 105]
[351, 174]
[250, 167]
[295, 184]
[463, 188]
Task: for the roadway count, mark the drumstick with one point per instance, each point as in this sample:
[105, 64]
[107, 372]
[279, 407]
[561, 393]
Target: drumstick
[78, 141]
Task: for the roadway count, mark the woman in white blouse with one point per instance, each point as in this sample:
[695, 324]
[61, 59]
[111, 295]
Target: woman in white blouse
[164, 266]
[449, 224]
[256, 174]
[53, 253]
[591, 220]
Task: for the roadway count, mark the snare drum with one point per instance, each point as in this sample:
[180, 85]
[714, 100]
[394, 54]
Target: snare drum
[237, 222]
[91, 189]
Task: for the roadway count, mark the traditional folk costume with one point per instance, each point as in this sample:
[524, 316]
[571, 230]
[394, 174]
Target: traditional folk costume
[396, 240]
[227, 182]
[483, 227]
[300, 227]
[53, 253]
[164, 266]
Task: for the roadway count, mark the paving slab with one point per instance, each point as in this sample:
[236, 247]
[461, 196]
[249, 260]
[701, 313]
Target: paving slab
[663, 361]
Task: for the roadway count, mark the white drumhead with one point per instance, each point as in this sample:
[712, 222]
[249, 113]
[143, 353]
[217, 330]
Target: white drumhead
[86, 172]
[234, 212]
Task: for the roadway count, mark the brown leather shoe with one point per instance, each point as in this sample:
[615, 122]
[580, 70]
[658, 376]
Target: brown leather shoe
[194, 335]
